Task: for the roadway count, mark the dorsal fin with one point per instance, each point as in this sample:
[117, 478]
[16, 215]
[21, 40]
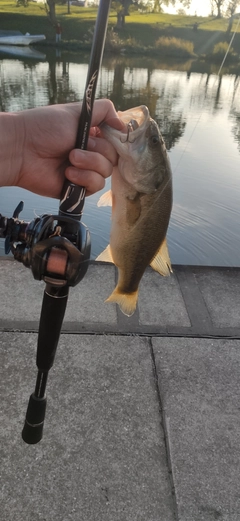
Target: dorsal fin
[161, 261]
[105, 199]
[106, 255]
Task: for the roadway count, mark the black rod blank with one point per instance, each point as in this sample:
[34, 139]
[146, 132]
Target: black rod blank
[73, 196]
[52, 314]
[55, 301]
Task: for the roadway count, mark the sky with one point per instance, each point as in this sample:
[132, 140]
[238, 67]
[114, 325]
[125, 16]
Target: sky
[201, 7]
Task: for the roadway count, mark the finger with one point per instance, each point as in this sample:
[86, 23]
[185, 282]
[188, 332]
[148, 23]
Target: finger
[92, 181]
[103, 147]
[87, 160]
[104, 111]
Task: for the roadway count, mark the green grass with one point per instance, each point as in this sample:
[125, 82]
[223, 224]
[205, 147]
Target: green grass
[171, 45]
[141, 30]
[220, 49]
[33, 19]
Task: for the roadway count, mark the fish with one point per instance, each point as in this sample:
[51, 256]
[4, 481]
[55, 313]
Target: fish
[141, 200]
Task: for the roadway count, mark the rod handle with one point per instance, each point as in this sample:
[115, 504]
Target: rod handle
[33, 427]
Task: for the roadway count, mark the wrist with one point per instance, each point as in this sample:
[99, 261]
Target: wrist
[11, 150]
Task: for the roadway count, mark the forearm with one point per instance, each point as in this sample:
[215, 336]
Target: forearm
[11, 147]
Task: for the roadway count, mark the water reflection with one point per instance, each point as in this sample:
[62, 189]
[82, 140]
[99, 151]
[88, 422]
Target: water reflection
[199, 116]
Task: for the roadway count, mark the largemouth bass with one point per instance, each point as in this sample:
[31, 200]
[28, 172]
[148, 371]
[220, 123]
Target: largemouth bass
[141, 199]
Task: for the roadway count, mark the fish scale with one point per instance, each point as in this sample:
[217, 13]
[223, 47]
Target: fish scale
[141, 193]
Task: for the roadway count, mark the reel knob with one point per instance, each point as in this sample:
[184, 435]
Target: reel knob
[8, 240]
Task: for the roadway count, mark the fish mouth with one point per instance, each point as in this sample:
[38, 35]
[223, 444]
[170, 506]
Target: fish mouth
[136, 116]
[136, 121]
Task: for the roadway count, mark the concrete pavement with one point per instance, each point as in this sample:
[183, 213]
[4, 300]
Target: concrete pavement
[143, 414]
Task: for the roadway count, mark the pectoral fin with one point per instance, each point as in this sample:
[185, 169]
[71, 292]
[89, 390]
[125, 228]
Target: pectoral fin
[161, 261]
[105, 199]
[106, 255]
[133, 209]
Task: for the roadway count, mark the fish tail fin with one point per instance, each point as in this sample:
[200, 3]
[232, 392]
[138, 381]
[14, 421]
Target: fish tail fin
[126, 301]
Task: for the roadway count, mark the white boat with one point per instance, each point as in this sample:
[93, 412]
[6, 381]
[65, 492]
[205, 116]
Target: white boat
[22, 52]
[21, 39]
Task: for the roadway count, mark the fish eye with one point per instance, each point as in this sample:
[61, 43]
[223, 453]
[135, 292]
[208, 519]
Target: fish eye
[154, 139]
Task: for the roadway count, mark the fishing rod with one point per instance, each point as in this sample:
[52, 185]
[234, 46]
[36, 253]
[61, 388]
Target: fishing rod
[57, 247]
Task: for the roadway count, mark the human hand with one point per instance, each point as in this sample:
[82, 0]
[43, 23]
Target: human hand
[40, 142]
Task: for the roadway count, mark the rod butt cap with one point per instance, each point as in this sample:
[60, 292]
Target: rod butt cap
[33, 427]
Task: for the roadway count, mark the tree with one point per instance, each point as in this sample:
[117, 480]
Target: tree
[228, 7]
[51, 10]
[230, 12]
[122, 8]
[218, 4]
[212, 7]
[22, 3]
[159, 4]
[185, 3]
[232, 6]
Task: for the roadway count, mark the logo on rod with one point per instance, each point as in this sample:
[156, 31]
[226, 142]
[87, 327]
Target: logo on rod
[89, 91]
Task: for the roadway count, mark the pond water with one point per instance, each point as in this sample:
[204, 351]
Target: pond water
[199, 115]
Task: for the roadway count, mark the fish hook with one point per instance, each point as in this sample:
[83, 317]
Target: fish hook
[130, 128]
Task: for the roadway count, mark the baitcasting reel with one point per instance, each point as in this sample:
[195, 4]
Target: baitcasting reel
[36, 243]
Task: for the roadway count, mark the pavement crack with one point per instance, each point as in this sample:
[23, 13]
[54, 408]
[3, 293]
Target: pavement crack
[165, 428]
[105, 493]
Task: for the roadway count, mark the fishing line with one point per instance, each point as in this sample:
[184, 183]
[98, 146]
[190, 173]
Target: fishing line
[200, 115]
[199, 118]
[184, 150]
[228, 49]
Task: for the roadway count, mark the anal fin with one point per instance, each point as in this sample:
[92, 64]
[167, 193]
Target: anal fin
[161, 262]
[106, 255]
[105, 199]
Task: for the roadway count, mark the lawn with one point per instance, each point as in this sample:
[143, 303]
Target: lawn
[141, 29]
